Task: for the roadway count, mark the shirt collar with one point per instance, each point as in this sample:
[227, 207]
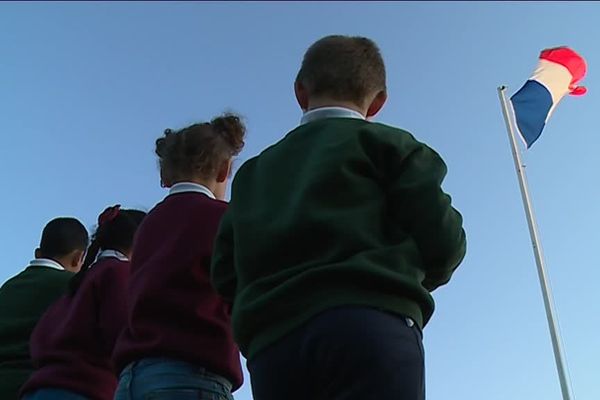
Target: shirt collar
[45, 262]
[112, 253]
[186, 187]
[329, 112]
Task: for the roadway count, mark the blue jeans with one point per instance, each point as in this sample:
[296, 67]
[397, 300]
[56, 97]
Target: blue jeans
[53, 394]
[168, 379]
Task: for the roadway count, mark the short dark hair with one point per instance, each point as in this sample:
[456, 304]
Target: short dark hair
[200, 148]
[62, 236]
[346, 68]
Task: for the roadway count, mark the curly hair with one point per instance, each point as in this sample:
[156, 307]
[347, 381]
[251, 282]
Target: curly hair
[199, 149]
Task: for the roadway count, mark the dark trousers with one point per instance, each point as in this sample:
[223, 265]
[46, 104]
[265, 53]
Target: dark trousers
[348, 353]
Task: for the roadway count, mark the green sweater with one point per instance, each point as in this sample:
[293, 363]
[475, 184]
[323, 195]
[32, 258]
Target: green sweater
[23, 300]
[340, 212]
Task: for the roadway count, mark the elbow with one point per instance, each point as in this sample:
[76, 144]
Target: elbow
[443, 266]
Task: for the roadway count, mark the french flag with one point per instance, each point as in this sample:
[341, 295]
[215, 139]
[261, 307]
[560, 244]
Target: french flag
[558, 71]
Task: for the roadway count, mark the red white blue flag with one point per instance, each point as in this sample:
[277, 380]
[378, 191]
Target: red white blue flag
[558, 72]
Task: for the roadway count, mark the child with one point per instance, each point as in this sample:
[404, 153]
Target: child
[25, 297]
[72, 343]
[334, 239]
[177, 342]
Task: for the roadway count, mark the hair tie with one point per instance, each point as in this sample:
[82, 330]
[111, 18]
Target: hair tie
[109, 214]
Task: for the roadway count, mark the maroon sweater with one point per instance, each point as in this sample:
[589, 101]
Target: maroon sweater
[72, 343]
[172, 309]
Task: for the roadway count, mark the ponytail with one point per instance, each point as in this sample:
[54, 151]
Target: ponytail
[105, 218]
[199, 149]
[232, 131]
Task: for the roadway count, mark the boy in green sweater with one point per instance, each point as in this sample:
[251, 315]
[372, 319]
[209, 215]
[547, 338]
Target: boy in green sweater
[25, 297]
[334, 239]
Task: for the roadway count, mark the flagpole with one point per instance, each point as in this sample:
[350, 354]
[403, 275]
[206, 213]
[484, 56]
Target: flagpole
[559, 357]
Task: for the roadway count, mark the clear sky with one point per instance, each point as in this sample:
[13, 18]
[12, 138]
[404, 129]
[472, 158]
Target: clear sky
[86, 88]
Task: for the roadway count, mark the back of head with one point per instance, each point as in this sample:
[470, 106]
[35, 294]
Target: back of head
[61, 237]
[343, 68]
[199, 150]
[116, 231]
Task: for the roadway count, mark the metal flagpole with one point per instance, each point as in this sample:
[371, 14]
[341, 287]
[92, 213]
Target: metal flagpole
[559, 357]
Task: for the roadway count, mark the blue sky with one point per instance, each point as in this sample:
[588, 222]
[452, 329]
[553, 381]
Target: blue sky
[86, 88]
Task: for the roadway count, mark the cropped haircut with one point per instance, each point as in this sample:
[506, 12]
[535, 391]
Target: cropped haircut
[62, 236]
[344, 68]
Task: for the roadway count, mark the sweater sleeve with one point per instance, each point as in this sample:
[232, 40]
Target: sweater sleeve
[223, 274]
[419, 205]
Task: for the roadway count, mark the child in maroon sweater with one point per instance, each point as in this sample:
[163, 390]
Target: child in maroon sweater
[72, 343]
[177, 343]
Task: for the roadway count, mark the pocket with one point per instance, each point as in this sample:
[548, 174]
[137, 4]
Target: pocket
[418, 334]
[182, 394]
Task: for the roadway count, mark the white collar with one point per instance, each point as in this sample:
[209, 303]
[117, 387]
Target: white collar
[45, 262]
[112, 254]
[330, 112]
[184, 187]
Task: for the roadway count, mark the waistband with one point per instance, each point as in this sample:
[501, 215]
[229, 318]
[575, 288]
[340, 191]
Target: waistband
[154, 370]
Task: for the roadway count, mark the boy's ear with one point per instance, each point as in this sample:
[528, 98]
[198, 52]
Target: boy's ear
[76, 259]
[301, 95]
[80, 258]
[377, 103]
[38, 253]
[224, 171]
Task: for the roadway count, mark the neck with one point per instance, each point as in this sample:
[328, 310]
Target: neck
[64, 262]
[217, 188]
[325, 102]
[38, 255]
[200, 181]
[127, 253]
